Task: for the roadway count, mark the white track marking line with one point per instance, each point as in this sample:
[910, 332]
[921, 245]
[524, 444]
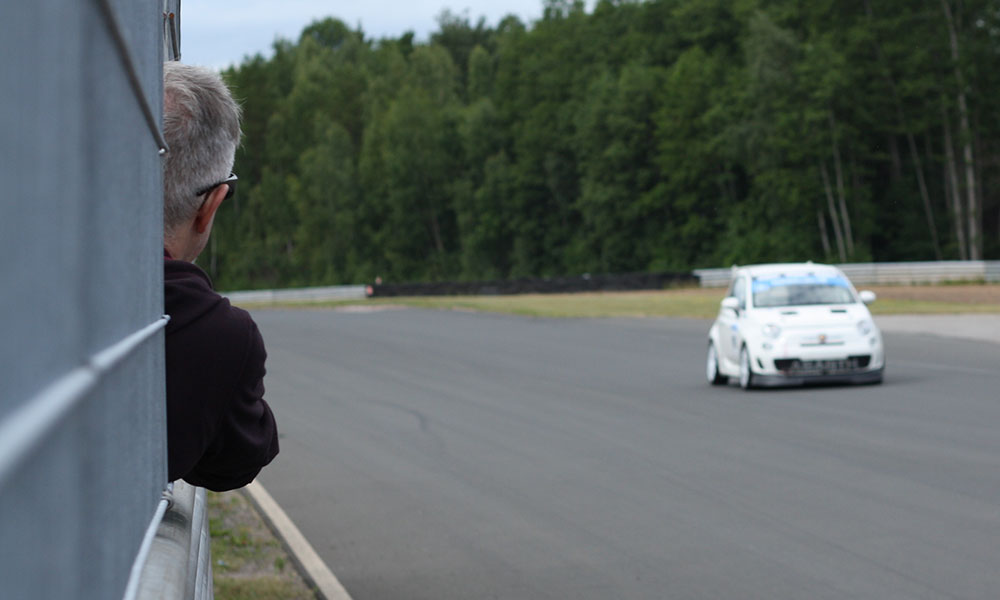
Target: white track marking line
[317, 571]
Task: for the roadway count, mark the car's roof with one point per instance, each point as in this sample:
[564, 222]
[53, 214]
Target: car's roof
[787, 269]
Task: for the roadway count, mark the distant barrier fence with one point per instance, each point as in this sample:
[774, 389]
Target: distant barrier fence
[553, 285]
[309, 294]
[901, 273]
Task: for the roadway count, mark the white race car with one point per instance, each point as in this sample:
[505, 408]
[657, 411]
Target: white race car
[789, 324]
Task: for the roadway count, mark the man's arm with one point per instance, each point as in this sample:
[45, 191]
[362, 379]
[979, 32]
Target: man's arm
[246, 437]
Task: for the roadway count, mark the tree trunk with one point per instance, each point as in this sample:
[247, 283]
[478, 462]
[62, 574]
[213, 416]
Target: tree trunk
[895, 160]
[914, 154]
[841, 195]
[724, 188]
[823, 237]
[980, 186]
[436, 231]
[965, 134]
[956, 193]
[972, 197]
[731, 182]
[833, 212]
[924, 195]
[922, 184]
[857, 191]
[949, 201]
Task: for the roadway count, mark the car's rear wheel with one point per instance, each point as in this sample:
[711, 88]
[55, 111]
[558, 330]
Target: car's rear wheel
[712, 367]
[746, 369]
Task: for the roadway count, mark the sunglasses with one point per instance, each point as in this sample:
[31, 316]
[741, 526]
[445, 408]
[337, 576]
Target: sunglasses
[231, 181]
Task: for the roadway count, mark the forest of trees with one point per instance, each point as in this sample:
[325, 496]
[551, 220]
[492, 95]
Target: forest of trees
[639, 136]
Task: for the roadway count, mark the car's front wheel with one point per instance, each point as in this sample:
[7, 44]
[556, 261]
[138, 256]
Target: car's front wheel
[712, 367]
[746, 370]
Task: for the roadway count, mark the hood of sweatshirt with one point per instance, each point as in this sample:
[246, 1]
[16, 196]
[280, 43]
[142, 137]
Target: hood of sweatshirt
[188, 293]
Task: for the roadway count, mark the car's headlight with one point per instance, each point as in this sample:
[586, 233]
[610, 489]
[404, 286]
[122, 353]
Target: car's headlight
[865, 327]
[771, 331]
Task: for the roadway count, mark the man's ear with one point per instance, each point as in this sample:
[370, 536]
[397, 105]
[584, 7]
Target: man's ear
[203, 218]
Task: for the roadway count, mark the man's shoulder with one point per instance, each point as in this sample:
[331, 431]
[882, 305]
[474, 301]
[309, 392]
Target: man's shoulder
[192, 304]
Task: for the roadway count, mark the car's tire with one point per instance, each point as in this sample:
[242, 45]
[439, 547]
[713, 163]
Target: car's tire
[712, 367]
[746, 369]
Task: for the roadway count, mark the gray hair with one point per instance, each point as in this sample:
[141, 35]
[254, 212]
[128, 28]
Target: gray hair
[201, 124]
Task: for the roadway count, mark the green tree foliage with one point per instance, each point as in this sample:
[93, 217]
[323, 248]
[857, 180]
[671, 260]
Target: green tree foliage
[644, 135]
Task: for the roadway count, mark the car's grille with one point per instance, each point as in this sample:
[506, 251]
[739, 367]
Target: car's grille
[795, 366]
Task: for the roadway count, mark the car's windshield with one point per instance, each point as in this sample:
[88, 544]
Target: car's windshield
[800, 291]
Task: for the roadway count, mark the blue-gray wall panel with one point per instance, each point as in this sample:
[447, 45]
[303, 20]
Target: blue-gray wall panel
[41, 194]
[81, 265]
[122, 171]
[123, 488]
[41, 510]
[74, 513]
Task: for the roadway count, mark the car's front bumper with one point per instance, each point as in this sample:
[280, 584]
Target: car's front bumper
[853, 360]
[781, 380]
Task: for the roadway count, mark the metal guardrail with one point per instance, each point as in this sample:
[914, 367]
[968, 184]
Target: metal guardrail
[309, 294]
[899, 273]
[179, 563]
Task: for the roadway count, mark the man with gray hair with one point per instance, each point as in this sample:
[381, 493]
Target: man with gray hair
[220, 431]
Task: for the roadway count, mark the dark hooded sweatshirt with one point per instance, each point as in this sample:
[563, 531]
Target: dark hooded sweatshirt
[220, 431]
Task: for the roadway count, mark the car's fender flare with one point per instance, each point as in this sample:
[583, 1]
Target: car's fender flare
[713, 334]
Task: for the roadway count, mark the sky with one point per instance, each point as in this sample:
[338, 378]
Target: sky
[218, 33]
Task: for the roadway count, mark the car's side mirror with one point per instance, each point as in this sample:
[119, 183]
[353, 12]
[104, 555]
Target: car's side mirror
[732, 303]
[867, 296]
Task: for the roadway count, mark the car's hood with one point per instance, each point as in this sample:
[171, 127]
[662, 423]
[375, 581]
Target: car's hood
[810, 317]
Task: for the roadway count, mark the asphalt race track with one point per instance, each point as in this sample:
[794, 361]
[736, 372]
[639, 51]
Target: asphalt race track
[448, 455]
